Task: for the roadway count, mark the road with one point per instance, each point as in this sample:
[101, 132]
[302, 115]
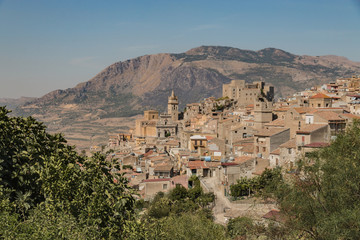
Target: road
[223, 206]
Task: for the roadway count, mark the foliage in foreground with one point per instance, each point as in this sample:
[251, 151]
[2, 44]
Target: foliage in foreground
[323, 200]
[46, 186]
[48, 191]
[266, 182]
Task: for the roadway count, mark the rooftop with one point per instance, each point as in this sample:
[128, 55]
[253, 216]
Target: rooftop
[278, 122]
[270, 132]
[157, 180]
[163, 168]
[320, 96]
[327, 115]
[309, 128]
[289, 144]
[276, 152]
[198, 137]
[274, 215]
[317, 145]
[242, 159]
[196, 165]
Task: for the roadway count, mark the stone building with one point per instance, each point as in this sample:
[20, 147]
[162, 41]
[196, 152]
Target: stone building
[146, 127]
[173, 107]
[311, 133]
[320, 100]
[267, 140]
[262, 112]
[246, 93]
[166, 127]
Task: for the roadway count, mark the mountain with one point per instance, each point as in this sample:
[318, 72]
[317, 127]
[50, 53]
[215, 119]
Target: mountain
[12, 103]
[127, 88]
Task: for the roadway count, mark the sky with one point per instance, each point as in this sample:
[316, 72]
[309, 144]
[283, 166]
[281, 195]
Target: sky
[55, 44]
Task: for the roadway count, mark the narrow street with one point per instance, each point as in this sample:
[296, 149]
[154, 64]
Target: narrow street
[223, 206]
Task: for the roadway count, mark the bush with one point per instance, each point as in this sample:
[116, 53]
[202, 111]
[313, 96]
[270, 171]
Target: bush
[178, 193]
[240, 226]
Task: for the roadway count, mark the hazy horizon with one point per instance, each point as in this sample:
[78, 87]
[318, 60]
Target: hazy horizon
[49, 45]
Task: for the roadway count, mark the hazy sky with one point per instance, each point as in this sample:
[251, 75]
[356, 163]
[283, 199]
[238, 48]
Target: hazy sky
[47, 45]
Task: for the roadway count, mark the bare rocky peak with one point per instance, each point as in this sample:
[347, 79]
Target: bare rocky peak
[128, 87]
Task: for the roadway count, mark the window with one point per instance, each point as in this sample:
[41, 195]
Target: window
[264, 149]
[319, 105]
[164, 186]
[289, 150]
[235, 131]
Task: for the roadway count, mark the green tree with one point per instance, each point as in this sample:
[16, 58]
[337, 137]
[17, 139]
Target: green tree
[178, 193]
[322, 201]
[240, 227]
[39, 169]
[192, 226]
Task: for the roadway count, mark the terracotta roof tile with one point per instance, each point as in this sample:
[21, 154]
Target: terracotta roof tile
[289, 144]
[277, 122]
[327, 115]
[349, 115]
[317, 145]
[303, 110]
[163, 168]
[157, 180]
[276, 152]
[270, 132]
[319, 95]
[248, 148]
[242, 159]
[226, 164]
[275, 215]
[196, 165]
[308, 128]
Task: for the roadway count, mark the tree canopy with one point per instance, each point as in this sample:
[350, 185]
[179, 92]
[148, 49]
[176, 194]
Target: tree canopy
[322, 201]
[43, 177]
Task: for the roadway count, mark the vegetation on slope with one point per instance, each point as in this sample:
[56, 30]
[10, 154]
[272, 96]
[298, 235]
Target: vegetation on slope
[48, 191]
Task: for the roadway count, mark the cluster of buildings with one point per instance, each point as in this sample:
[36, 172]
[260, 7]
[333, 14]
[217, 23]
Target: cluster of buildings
[238, 135]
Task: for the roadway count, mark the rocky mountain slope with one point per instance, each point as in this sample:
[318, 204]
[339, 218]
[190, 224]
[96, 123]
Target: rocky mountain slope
[127, 88]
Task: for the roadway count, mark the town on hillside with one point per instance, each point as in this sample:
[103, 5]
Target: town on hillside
[238, 135]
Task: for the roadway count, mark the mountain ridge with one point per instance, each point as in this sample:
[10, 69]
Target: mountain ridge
[126, 88]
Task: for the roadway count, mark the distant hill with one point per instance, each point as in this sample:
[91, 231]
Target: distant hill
[127, 88]
[12, 103]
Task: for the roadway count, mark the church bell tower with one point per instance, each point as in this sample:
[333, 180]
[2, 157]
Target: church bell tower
[173, 107]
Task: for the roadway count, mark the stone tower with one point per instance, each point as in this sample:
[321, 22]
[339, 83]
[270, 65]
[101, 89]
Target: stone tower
[262, 112]
[173, 107]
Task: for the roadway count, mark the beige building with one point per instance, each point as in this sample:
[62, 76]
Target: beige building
[153, 186]
[146, 127]
[246, 93]
[240, 132]
[262, 112]
[173, 107]
[267, 140]
[320, 100]
[197, 142]
[312, 133]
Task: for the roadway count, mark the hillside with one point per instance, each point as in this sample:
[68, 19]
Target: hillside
[126, 88]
